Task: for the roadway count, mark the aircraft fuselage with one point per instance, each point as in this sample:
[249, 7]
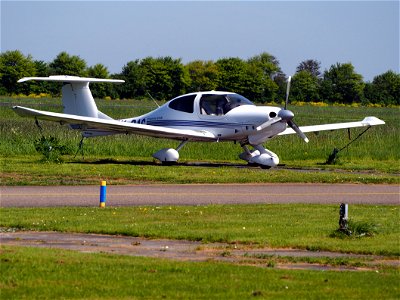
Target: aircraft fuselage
[227, 124]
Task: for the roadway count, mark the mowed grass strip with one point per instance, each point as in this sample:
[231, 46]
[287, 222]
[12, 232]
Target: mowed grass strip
[29, 170]
[33, 273]
[300, 226]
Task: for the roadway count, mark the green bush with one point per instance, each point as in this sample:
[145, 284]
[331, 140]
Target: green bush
[356, 229]
[51, 148]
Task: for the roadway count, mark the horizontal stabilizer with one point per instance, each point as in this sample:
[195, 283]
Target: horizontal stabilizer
[67, 78]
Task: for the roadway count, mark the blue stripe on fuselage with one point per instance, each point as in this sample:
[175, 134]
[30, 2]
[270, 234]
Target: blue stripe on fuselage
[175, 123]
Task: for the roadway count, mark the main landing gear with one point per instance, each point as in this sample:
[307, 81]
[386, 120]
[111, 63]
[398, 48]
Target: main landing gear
[259, 156]
[169, 156]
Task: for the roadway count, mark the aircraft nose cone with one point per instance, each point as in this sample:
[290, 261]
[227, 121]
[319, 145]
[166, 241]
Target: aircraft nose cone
[286, 114]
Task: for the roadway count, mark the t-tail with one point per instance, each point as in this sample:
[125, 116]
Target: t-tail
[77, 98]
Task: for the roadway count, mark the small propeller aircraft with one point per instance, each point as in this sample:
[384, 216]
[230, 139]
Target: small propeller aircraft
[211, 116]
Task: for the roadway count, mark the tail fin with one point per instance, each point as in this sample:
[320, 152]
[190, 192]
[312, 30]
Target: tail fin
[76, 96]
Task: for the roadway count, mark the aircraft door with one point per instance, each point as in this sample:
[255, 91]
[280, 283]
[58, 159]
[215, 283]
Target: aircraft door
[212, 110]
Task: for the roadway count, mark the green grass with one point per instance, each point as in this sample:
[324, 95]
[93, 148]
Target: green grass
[29, 170]
[275, 225]
[32, 273]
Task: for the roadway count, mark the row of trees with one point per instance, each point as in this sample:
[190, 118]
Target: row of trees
[259, 78]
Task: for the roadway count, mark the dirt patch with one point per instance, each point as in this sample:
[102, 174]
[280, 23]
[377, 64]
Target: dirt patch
[189, 250]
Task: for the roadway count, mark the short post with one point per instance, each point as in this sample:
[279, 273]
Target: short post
[343, 216]
[103, 188]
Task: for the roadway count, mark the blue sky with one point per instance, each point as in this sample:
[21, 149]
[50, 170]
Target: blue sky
[365, 33]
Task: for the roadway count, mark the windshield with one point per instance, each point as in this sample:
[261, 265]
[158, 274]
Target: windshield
[218, 105]
[236, 100]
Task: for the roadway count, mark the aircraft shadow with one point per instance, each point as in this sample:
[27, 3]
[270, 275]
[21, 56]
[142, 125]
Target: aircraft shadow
[154, 163]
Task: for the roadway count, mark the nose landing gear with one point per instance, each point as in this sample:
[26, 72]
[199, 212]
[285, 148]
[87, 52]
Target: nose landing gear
[260, 156]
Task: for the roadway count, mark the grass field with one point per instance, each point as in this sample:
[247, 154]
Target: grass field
[127, 158]
[29, 273]
[29, 170]
[52, 274]
[275, 225]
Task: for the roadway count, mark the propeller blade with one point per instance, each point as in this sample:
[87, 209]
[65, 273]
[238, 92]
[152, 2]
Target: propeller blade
[268, 123]
[297, 130]
[287, 91]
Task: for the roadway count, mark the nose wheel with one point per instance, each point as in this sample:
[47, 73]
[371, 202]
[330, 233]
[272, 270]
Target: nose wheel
[260, 156]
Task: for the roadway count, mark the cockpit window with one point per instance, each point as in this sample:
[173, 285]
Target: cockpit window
[184, 103]
[213, 105]
[236, 100]
[218, 105]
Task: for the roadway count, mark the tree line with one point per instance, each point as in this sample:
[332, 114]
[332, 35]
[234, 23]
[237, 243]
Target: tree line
[258, 78]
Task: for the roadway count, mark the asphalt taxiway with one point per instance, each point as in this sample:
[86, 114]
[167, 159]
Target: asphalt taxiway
[199, 194]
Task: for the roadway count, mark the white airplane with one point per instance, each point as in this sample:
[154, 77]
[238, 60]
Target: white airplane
[196, 117]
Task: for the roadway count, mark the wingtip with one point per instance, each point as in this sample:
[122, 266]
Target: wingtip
[24, 79]
[371, 121]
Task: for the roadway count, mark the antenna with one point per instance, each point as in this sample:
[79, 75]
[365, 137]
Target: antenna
[153, 99]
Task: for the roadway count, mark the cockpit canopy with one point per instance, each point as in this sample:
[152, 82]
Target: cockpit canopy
[214, 104]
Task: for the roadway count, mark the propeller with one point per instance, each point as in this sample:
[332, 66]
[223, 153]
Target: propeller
[287, 91]
[287, 116]
[298, 131]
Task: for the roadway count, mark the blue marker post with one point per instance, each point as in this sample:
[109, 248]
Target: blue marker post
[103, 188]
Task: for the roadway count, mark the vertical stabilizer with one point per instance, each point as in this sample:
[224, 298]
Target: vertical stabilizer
[77, 100]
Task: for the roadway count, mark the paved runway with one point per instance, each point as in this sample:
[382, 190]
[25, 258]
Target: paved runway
[199, 194]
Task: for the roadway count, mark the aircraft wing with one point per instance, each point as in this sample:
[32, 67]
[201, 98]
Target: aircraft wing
[115, 126]
[368, 121]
